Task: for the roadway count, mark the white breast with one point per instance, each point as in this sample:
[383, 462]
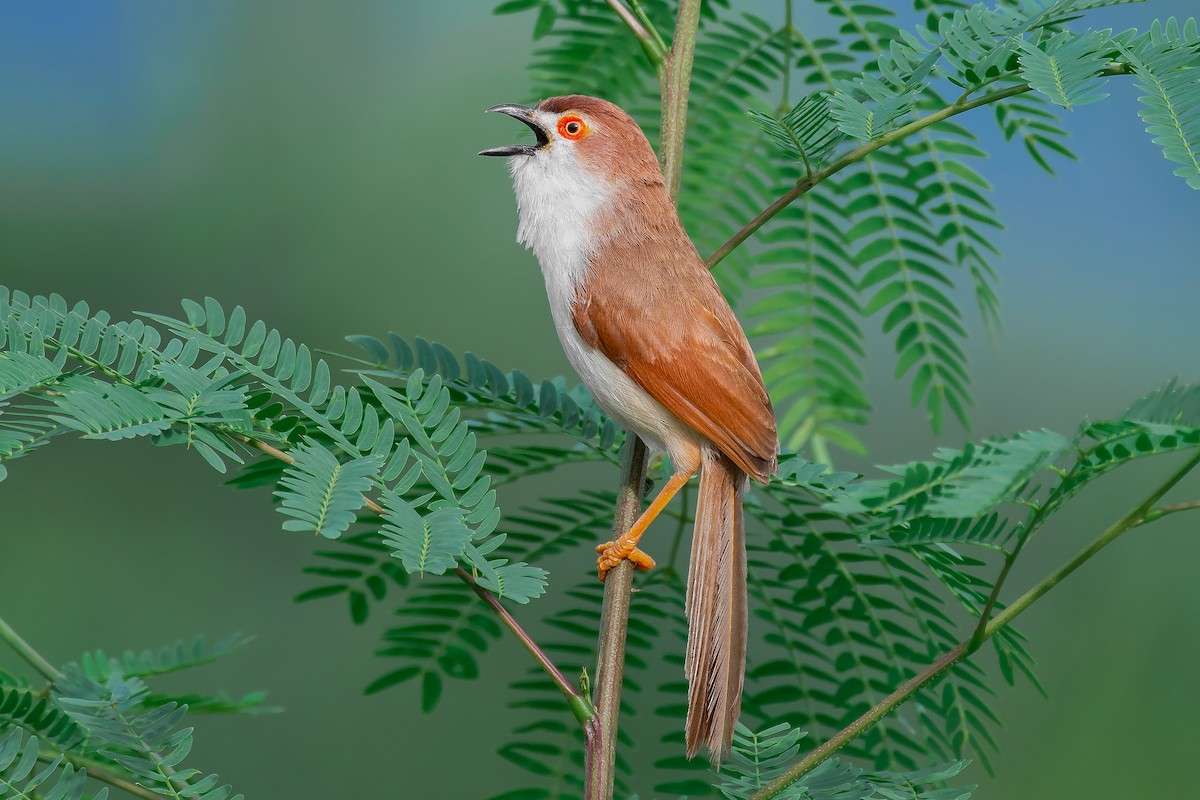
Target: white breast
[556, 201]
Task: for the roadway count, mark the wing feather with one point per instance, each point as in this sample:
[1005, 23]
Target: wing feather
[699, 364]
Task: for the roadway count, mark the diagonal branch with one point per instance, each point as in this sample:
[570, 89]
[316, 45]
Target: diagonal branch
[807, 183]
[1140, 515]
[25, 650]
[580, 706]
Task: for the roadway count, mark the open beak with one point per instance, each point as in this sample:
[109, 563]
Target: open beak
[524, 114]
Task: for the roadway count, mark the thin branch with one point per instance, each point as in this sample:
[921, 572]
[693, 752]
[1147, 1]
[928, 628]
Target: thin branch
[26, 651]
[1173, 508]
[581, 707]
[807, 183]
[600, 756]
[651, 42]
[1035, 521]
[1138, 516]
[980, 633]
[676, 81]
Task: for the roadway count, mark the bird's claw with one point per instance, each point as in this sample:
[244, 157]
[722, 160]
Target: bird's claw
[616, 551]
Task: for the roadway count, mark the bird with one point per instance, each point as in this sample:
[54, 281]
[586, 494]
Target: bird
[646, 327]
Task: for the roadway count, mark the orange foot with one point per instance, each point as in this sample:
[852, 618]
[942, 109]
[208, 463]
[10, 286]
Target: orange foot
[614, 552]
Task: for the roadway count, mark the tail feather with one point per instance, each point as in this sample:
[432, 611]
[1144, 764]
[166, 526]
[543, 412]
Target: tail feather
[716, 608]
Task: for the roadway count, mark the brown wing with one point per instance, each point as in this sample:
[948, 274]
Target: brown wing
[696, 362]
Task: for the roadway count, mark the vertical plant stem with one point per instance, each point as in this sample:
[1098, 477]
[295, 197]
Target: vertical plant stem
[26, 651]
[676, 81]
[601, 729]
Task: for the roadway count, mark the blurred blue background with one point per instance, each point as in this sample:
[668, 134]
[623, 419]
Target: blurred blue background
[315, 163]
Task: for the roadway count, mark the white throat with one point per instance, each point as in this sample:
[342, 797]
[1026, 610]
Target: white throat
[557, 200]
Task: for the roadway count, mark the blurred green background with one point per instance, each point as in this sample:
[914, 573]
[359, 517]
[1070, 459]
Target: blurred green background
[315, 163]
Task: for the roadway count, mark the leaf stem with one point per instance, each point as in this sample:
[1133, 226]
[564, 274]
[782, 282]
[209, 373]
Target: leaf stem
[1138, 516]
[866, 149]
[1172, 508]
[581, 706]
[26, 651]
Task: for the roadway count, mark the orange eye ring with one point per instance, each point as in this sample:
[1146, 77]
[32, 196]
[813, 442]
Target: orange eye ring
[572, 127]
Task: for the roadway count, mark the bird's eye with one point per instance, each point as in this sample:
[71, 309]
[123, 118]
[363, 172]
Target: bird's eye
[571, 127]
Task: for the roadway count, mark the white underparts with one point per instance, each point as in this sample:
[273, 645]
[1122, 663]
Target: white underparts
[556, 201]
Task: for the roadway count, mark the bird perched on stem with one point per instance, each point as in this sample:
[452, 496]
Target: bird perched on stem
[646, 327]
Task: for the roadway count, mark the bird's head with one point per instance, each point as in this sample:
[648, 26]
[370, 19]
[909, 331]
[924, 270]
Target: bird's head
[577, 133]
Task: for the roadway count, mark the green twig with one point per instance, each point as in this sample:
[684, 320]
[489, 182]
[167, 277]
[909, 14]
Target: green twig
[1141, 515]
[26, 651]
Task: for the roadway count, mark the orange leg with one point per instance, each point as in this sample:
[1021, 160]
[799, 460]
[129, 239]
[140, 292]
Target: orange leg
[625, 545]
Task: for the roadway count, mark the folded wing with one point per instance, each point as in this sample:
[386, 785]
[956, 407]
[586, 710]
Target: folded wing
[697, 362]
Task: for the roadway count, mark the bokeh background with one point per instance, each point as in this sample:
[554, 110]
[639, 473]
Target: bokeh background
[315, 163]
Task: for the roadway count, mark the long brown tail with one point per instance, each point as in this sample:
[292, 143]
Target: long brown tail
[716, 608]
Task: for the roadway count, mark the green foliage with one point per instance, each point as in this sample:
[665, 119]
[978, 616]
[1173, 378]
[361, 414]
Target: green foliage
[844, 625]
[959, 483]
[855, 584]
[362, 570]
[322, 494]
[1167, 66]
[184, 654]
[548, 746]
[18, 781]
[257, 386]
[443, 631]
[98, 714]
[807, 132]
[498, 402]
[433, 544]
[251, 703]
[22, 709]
[1041, 133]
[953, 498]
[899, 246]
[759, 758]
[1065, 67]
[147, 743]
